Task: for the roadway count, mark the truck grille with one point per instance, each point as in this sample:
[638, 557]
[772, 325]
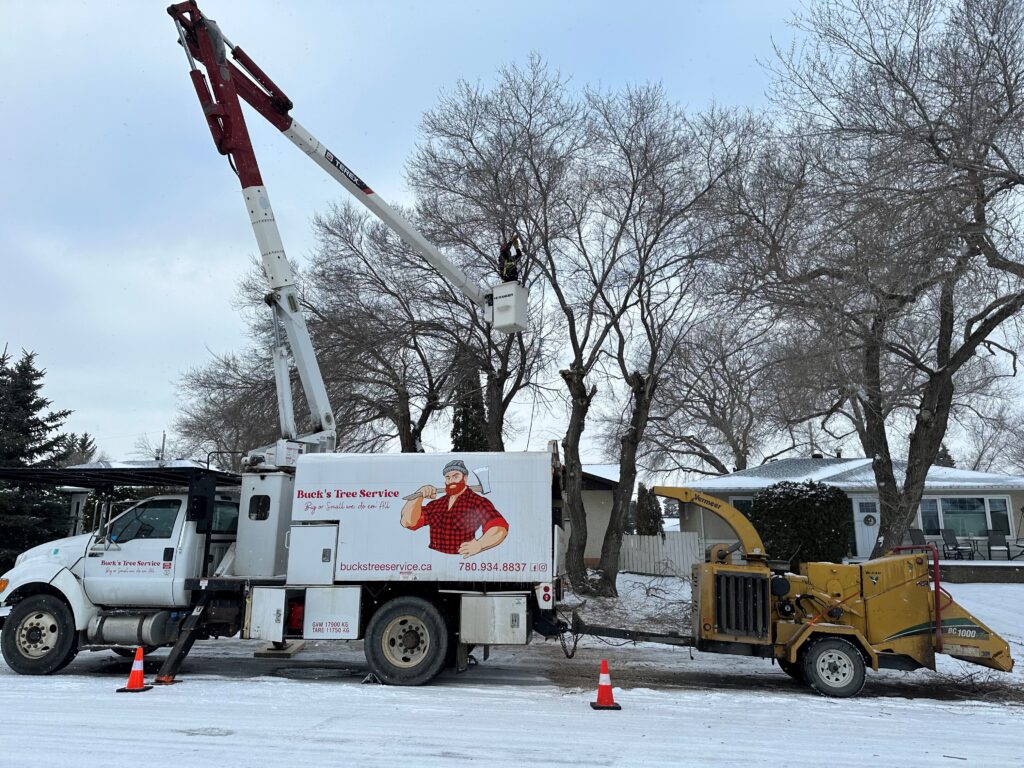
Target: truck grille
[741, 604]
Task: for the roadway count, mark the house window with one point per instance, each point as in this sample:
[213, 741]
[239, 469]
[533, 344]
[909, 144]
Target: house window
[966, 516]
[1000, 515]
[742, 503]
[930, 517]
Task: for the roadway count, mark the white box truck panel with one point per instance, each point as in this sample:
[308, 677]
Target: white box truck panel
[331, 613]
[366, 495]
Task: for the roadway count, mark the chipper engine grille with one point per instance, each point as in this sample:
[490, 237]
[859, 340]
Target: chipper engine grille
[741, 604]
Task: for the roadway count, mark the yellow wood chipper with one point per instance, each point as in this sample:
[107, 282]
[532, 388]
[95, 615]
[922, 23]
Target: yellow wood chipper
[826, 624]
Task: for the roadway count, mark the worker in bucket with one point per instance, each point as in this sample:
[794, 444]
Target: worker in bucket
[508, 260]
[455, 517]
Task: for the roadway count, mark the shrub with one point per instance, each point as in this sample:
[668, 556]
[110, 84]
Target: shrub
[803, 522]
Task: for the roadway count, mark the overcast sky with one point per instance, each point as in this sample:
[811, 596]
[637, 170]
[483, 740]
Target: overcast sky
[122, 232]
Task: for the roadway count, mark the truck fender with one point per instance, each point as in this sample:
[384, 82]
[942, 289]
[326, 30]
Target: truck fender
[812, 631]
[42, 576]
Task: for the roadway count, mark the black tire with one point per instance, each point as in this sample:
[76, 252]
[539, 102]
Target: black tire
[834, 667]
[39, 636]
[129, 653]
[406, 642]
[796, 671]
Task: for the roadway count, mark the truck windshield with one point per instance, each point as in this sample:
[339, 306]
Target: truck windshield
[149, 520]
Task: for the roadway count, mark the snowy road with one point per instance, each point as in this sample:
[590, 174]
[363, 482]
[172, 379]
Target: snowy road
[525, 705]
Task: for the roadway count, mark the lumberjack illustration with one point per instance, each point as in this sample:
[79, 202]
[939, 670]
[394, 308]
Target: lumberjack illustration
[455, 517]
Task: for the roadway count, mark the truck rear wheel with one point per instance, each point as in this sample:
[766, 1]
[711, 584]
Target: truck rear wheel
[39, 636]
[834, 667]
[406, 642]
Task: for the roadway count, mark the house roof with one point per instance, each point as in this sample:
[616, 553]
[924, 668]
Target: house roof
[853, 475]
[600, 477]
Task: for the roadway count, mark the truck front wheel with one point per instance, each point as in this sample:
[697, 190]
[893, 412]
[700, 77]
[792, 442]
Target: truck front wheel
[406, 642]
[834, 667]
[39, 636]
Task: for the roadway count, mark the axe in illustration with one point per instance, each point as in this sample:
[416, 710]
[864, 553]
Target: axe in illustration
[482, 486]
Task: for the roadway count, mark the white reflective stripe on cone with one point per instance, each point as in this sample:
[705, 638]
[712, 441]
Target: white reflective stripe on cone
[604, 680]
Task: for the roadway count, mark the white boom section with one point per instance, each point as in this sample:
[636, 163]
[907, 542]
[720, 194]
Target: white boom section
[288, 313]
[341, 173]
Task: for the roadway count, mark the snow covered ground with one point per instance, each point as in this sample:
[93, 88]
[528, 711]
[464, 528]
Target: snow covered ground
[523, 706]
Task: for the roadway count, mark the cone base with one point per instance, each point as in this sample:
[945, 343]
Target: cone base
[595, 705]
[134, 690]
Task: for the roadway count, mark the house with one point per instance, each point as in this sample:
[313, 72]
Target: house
[970, 503]
[599, 484]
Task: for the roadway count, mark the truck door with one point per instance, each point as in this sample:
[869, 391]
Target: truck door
[135, 564]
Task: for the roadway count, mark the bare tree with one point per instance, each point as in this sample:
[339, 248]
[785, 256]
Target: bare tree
[914, 261]
[470, 173]
[390, 357]
[227, 408]
[722, 413]
[658, 170]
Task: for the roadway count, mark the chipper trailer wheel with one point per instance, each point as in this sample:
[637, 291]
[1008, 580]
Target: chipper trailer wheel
[834, 667]
[39, 636]
[406, 642]
[795, 671]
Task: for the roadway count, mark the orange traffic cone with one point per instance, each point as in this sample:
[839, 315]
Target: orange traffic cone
[136, 680]
[605, 699]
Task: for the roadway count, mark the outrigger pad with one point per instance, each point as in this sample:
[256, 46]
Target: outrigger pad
[286, 651]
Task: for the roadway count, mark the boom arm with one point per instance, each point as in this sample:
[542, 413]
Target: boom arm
[749, 538]
[204, 42]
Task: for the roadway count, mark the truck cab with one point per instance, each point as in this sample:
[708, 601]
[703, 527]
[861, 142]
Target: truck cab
[123, 584]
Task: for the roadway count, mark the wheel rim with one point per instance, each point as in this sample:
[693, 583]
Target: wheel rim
[406, 641]
[835, 668]
[38, 634]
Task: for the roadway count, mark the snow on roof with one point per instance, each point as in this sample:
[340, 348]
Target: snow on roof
[145, 464]
[607, 471]
[853, 474]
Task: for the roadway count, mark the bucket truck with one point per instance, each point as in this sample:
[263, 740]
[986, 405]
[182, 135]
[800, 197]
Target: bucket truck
[421, 556]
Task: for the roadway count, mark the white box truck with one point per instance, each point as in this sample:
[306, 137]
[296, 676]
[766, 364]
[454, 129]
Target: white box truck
[422, 556]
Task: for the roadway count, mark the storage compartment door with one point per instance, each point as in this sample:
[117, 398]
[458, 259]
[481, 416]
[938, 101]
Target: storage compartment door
[265, 615]
[332, 613]
[493, 620]
[311, 553]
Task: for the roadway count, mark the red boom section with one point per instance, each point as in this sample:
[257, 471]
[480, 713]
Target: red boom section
[219, 96]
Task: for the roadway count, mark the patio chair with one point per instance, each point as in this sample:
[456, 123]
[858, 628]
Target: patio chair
[917, 537]
[1019, 544]
[997, 541]
[951, 546]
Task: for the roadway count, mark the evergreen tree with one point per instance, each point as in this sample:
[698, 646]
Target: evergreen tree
[803, 522]
[648, 513]
[469, 420]
[82, 449]
[29, 436]
[944, 458]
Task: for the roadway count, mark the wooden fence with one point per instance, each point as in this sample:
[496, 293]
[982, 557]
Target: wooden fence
[671, 555]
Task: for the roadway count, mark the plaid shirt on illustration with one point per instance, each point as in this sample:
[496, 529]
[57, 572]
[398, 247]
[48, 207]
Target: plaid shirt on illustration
[450, 528]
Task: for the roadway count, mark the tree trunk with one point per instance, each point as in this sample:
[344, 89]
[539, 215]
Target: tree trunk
[611, 548]
[572, 487]
[495, 414]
